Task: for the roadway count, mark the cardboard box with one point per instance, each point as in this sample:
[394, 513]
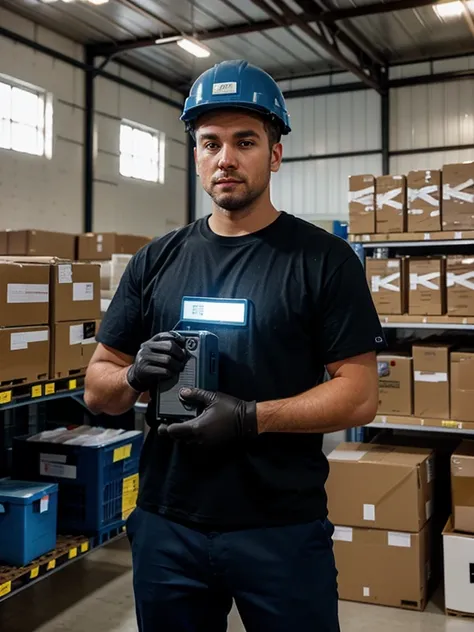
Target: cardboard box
[72, 346]
[462, 385]
[462, 487]
[458, 196]
[383, 567]
[41, 243]
[395, 384]
[381, 487]
[424, 201]
[3, 242]
[75, 291]
[431, 381]
[387, 282]
[458, 571]
[101, 246]
[25, 354]
[460, 285]
[427, 294]
[391, 195]
[361, 204]
[24, 294]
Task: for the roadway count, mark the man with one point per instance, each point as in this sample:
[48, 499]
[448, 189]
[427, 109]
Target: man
[232, 503]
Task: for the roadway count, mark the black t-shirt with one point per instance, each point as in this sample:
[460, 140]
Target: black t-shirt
[309, 306]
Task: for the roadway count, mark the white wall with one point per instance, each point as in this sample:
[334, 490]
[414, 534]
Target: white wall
[436, 115]
[35, 191]
[127, 205]
[39, 193]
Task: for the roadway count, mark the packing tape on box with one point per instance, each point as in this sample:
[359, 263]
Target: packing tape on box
[386, 199]
[430, 376]
[460, 279]
[365, 197]
[424, 280]
[457, 192]
[423, 194]
[385, 283]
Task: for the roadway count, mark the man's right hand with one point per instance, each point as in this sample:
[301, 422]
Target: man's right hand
[161, 358]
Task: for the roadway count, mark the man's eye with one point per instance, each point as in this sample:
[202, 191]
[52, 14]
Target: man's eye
[246, 143]
[211, 145]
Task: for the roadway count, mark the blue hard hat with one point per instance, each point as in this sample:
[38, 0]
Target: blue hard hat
[236, 83]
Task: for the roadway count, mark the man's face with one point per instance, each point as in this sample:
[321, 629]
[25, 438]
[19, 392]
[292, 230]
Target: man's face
[233, 158]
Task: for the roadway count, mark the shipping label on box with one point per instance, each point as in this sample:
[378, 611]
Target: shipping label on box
[381, 487]
[25, 291]
[460, 285]
[424, 201]
[361, 204]
[395, 384]
[25, 354]
[391, 199]
[76, 295]
[365, 556]
[387, 283]
[431, 381]
[427, 294]
[458, 196]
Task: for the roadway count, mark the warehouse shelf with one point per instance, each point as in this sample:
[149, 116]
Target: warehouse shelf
[407, 321]
[399, 422]
[414, 240]
[69, 549]
[24, 394]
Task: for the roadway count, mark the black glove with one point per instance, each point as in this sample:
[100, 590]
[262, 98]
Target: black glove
[224, 419]
[160, 358]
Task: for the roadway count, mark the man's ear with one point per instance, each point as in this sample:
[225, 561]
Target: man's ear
[276, 157]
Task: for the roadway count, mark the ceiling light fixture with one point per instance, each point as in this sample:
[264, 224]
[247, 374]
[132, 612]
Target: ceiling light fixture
[451, 9]
[194, 47]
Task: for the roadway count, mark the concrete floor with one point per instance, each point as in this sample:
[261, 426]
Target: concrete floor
[95, 595]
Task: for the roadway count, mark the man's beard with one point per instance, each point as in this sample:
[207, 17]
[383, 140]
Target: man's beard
[232, 202]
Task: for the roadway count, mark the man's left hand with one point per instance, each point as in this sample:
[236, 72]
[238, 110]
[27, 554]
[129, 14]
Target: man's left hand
[224, 419]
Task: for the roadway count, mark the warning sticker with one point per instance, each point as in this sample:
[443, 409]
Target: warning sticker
[129, 495]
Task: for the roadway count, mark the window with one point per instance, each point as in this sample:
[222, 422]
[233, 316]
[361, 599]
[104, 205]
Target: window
[26, 120]
[142, 153]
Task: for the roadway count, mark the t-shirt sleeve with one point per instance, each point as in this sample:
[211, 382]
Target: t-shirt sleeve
[349, 323]
[122, 325]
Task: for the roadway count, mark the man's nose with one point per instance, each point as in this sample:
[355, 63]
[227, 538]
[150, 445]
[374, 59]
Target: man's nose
[227, 158]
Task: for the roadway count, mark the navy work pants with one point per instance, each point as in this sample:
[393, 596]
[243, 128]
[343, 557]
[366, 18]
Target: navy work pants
[283, 579]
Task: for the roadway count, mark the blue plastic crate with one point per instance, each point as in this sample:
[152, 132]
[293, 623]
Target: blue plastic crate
[98, 485]
[28, 518]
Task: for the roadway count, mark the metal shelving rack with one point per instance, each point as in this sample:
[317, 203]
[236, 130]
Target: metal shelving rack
[458, 242]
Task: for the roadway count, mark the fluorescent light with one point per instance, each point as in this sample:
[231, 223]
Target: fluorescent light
[193, 47]
[97, 2]
[451, 9]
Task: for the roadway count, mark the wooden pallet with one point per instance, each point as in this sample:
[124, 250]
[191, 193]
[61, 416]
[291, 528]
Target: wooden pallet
[460, 615]
[67, 548]
[31, 391]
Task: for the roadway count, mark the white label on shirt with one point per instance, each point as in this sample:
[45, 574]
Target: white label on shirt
[83, 292]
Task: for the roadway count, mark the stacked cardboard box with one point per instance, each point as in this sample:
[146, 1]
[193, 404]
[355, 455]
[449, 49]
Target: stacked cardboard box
[458, 536]
[101, 246]
[391, 195]
[395, 384]
[380, 500]
[427, 294]
[36, 243]
[424, 201]
[24, 323]
[387, 281]
[458, 196]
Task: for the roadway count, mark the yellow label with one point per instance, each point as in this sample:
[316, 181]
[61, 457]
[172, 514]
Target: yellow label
[450, 424]
[50, 389]
[72, 384]
[36, 391]
[129, 495]
[72, 553]
[120, 454]
[5, 397]
[84, 547]
[5, 589]
[51, 565]
[34, 572]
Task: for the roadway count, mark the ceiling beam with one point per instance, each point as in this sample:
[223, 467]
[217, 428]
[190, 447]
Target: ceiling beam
[372, 9]
[369, 74]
